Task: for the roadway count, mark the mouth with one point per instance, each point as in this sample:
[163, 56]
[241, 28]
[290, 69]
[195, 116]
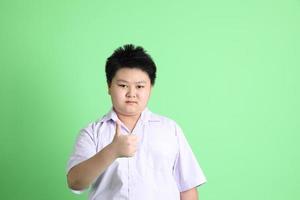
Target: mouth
[131, 102]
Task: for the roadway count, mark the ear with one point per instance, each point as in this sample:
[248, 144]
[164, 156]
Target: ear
[151, 87]
[108, 89]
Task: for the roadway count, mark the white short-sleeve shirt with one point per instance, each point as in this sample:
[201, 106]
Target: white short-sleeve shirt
[163, 166]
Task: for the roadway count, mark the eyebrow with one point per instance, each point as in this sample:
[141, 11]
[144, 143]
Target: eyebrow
[121, 80]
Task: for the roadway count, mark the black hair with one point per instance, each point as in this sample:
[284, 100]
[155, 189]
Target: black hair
[130, 56]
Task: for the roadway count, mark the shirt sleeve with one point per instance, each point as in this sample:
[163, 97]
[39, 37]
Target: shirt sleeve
[188, 174]
[84, 148]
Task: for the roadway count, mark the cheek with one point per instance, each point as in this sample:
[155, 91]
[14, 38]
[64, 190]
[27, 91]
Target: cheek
[144, 95]
[116, 95]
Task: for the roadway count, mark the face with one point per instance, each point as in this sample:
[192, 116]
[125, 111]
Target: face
[130, 90]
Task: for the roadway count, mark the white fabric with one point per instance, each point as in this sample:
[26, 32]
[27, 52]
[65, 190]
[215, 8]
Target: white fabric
[163, 166]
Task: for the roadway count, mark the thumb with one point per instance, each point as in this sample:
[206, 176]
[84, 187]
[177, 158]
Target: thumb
[118, 128]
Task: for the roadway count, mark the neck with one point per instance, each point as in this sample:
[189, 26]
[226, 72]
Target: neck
[129, 120]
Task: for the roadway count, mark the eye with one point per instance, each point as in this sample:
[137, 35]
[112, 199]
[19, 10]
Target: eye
[122, 85]
[140, 86]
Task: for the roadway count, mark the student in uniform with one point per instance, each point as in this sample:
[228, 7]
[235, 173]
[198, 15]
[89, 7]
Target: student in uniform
[132, 153]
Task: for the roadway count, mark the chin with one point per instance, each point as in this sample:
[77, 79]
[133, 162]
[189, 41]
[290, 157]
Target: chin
[130, 112]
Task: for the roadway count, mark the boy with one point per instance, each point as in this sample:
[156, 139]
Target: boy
[132, 153]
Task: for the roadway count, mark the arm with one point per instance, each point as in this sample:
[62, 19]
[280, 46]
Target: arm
[83, 174]
[191, 194]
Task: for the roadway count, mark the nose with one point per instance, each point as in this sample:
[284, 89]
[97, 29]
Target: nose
[131, 93]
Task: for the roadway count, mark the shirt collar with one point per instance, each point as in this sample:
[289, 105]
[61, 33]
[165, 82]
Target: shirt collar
[112, 115]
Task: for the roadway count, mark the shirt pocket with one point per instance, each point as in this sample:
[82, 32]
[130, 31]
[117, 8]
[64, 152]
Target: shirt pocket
[161, 155]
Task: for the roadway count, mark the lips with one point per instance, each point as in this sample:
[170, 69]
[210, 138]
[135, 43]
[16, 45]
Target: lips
[131, 102]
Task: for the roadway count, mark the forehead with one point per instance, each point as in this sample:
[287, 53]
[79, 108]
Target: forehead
[131, 75]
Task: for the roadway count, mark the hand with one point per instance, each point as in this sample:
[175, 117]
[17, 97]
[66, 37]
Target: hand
[124, 145]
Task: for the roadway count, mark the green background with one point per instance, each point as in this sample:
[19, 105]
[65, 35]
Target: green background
[228, 73]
